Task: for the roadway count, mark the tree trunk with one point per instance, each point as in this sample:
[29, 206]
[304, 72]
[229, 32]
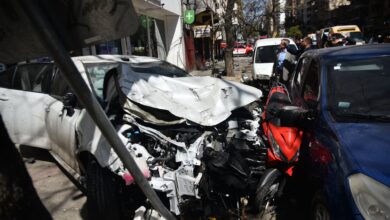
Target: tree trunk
[229, 38]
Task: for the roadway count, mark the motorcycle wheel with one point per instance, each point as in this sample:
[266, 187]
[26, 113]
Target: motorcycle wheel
[267, 192]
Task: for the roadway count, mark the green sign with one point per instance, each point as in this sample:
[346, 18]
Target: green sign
[145, 21]
[189, 16]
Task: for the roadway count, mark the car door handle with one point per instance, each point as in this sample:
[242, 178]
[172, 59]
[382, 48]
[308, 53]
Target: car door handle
[4, 97]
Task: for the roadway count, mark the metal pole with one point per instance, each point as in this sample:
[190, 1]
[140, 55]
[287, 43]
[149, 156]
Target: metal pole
[212, 39]
[149, 38]
[52, 43]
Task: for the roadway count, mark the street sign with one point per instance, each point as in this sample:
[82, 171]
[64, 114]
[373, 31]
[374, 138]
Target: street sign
[189, 16]
[202, 31]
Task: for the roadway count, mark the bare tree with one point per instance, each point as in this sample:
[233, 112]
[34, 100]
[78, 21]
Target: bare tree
[229, 37]
[253, 18]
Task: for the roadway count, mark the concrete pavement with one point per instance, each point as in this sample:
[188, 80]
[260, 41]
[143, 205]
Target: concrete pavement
[242, 65]
[61, 197]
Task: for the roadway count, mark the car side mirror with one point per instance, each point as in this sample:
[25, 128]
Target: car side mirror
[294, 116]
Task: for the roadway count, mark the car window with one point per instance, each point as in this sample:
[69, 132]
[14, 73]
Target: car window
[311, 83]
[266, 54]
[160, 68]
[300, 71]
[59, 86]
[6, 78]
[96, 73]
[33, 77]
[359, 87]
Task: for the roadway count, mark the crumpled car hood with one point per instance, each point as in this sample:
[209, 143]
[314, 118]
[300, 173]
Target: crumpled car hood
[204, 100]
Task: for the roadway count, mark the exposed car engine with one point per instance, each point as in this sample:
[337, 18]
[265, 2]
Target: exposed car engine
[213, 166]
[194, 139]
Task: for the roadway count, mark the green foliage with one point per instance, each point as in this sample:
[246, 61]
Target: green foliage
[294, 32]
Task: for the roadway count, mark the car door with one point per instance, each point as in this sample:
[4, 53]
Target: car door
[25, 103]
[61, 121]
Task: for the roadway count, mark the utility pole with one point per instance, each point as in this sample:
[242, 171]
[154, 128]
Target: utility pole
[212, 39]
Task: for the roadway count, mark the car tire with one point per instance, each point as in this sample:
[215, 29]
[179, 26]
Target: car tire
[266, 193]
[319, 207]
[103, 200]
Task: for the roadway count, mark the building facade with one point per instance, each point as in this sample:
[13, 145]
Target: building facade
[159, 34]
[373, 17]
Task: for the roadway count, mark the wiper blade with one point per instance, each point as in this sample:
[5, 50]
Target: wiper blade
[365, 116]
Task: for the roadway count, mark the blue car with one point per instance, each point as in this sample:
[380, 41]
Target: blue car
[346, 149]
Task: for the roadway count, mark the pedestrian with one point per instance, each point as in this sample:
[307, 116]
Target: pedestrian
[284, 62]
[307, 44]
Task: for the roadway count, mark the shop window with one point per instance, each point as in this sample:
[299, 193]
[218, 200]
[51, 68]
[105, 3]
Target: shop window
[139, 41]
[109, 47]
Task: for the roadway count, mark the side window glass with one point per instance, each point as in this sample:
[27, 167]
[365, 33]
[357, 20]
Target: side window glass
[33, 77]
[310, 88]
[6, 78]
[96, 73]
[299, 72]
[59, 86]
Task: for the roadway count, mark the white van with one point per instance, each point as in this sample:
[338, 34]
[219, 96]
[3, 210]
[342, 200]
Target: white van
[264, 57]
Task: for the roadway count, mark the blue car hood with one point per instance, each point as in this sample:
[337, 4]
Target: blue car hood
[367, 148]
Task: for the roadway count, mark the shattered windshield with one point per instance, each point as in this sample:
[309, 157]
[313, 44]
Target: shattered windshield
[359, 90]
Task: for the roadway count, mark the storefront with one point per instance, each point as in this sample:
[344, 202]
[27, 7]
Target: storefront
[159, 34]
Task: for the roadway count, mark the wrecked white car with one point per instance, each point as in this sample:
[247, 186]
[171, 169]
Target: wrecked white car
[194, 138]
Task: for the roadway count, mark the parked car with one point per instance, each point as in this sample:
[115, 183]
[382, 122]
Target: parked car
[193, 138]
[345, 152]
[242, 50]
[264, 58]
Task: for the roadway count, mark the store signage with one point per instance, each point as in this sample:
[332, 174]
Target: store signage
[145, 21]
[202, 31]
[189, 16]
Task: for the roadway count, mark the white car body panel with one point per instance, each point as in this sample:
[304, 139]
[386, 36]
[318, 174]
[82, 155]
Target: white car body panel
[61, 129]
[203, 100]
[263, 71]
[24, 119]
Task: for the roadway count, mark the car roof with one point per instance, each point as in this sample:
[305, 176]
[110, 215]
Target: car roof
[272, 41]
[349, 52]
[115, 58]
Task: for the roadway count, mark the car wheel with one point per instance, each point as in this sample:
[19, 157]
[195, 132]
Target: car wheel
[319, 207]
[267, 192]
[103, 200]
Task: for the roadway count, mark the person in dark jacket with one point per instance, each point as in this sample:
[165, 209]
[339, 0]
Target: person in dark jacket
[307, 44]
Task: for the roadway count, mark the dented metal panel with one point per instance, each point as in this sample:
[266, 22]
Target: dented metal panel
[204, 100]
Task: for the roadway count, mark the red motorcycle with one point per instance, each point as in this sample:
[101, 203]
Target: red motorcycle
[283, 140]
